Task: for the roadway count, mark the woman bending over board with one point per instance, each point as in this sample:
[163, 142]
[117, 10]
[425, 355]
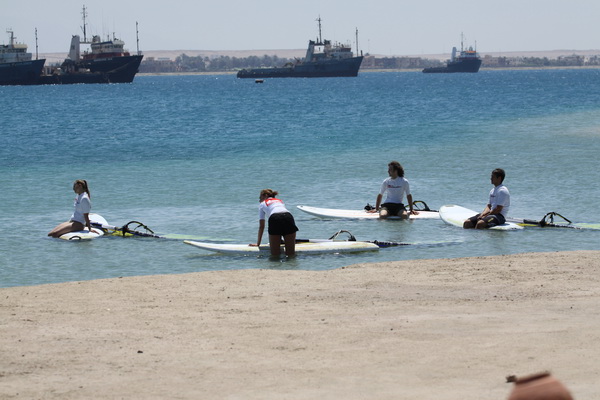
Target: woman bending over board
[281, 223]
[80, 217]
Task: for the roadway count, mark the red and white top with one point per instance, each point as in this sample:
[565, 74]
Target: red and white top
[270, 206]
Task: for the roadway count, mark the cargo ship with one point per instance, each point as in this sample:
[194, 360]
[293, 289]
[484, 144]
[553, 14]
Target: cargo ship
[16, 65]
[323, 59]
[467, 61]
[107, 62]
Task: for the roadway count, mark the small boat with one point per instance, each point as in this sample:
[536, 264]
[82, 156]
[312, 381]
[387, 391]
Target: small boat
[16, 65]
[323, 59]
[467, 61]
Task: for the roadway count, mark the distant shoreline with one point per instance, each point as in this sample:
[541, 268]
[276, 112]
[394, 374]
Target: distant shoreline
[299, 53]
[369, 70]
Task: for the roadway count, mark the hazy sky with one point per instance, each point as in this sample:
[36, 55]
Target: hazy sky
[386, 27]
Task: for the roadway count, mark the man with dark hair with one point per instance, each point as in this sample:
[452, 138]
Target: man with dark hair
[496, 210]
[396, 187]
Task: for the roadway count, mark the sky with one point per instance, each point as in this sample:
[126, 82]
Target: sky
[386, 27]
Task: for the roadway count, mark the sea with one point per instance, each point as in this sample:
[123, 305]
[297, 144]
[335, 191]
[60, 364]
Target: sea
[188, 155]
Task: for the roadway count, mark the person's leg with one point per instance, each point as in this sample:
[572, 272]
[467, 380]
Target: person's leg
[383, 213]
[471, 222]
[66, 227]
[275, 244]
[491, 221]
[290, 244]
[482, 224]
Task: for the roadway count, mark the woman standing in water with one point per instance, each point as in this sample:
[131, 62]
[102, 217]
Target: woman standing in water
[80, 218]
[281, 223]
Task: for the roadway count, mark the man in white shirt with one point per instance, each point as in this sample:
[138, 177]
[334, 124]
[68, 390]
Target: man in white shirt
[496, 210]
[396, 187]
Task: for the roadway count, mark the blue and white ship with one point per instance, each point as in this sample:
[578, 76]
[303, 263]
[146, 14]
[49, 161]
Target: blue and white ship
[17, 66]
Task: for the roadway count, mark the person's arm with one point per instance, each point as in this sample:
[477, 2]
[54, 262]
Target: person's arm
[409, 198]
[497, 210]
[88, 223]
[378, 202]
[486, 211]
[261, 229]
[86, 216]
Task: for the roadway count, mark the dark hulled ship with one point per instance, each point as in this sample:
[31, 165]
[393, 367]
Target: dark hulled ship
[106, 62]
[17, 66]
[323, 59]
[467, 61]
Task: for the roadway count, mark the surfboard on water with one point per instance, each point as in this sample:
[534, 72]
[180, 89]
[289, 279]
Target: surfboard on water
[360, 214]
[456, 215]
[304, 248]
[86, 234]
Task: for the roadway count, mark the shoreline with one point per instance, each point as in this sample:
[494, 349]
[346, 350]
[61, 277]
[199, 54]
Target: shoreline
[369, 71]
[440, 328]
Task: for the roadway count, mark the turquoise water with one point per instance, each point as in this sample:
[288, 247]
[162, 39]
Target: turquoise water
[189, 155]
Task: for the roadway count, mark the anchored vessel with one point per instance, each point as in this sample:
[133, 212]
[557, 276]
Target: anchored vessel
[467, 61]
[16, 65]
[107, 62]
[323, 59]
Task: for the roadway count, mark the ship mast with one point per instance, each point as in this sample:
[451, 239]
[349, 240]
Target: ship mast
[137, 38]
[12, 37]
[84, 14]
[357, 41]
[320, 37]
[36, 44]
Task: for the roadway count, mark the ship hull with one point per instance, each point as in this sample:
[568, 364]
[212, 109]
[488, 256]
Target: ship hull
[320, 69]
[21, 73]
[120, 69]
[113, 70]
[469, 65]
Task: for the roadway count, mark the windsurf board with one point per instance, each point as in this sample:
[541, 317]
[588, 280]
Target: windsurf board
[303, 247]
[456, 215]
[360, 214]
[85, 234]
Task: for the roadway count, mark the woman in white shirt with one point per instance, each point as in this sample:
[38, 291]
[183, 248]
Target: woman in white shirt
[281, 223]
[80, 218]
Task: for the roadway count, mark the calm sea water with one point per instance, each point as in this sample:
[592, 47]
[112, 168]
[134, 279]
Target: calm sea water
[189, 155]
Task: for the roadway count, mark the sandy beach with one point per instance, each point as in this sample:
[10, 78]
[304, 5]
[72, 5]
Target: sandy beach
[420, 329]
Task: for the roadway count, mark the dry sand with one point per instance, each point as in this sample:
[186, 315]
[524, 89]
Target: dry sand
[422, 329]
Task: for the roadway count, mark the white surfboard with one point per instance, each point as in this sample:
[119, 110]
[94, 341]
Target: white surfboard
[304, 248]
[360, 214]
[85, 234]
[456, 215]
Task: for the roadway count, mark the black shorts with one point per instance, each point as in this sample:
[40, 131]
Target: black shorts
[393, 208]
[491, 220]
[282, 224]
